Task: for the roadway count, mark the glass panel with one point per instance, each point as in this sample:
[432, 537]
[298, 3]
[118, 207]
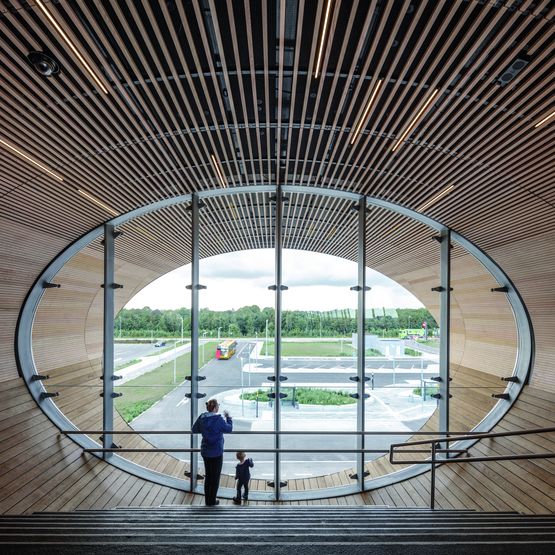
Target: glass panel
[319, 344]
[65, 349]
[484, 340]
[152, 345]
[402, 349]
[236, 326]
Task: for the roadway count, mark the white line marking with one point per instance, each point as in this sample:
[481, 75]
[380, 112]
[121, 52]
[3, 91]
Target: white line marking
[183, 401]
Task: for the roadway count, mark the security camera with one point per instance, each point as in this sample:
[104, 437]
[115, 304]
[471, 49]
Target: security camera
[44, 63]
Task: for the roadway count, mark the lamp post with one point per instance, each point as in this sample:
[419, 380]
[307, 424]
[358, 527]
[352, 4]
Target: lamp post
[175, 352]
[219, 328]
[266, 343]
[203, 341]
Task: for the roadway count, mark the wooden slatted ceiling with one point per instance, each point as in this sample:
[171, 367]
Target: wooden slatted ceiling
[235, 79]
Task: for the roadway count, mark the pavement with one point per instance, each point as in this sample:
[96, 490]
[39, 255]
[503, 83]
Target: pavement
[391, 407]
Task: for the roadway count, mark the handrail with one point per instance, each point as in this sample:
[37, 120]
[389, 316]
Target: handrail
[268, 432]
[396, 448]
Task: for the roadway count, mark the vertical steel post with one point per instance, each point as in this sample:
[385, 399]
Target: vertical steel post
[277, 338]
[108, 345]
[195, 286]
[445, 328]
[361, 339]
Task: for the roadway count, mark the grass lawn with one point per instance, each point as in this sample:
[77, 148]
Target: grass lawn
[312, 349]
[305, 396]
[317, 349]
[429, 342]
[142, 392]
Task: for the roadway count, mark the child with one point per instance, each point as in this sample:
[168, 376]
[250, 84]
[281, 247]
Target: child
[242, 475]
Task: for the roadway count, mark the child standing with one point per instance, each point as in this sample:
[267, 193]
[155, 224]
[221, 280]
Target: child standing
[242, 475]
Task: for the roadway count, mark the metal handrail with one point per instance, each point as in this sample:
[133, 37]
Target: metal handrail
[268, 432]
[396, 448]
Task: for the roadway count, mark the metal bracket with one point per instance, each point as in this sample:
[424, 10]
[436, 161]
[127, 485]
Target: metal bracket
[273, 198]
[197, 287]
[198, 378]
[513, 379]
[48, 285]
[197, 396]
[188, 474]
[356, 395]
[271, 484]
[116, 234]
[113, 378]
[200, 205]
[281, 395]
[46, 395]
[112, 395]
[437, 379]
[357, 379]
[354, 476]
[503, 289]
[439, 289]
[113, 286]
[273, 378]
[359, 288]
[505, 396]
[38, 377]
[281, 287]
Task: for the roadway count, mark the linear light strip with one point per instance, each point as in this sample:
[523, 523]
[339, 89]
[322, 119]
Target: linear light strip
[413, 123]
[17, 151]
[219, 171]
[366, 110]
[98, 202]
[544, 120]
[322, 39]
[74, 49]
[437, 197]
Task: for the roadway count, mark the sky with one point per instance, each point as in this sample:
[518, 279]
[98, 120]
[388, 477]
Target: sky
[316, 282]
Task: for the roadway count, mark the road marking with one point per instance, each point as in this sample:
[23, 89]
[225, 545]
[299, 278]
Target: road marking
[183, 401]
[116, 359]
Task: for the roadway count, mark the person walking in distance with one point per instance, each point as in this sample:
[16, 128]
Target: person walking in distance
[243, 476]
[212, 427]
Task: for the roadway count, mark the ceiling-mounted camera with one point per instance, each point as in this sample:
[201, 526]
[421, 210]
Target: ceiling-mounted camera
[45, 64]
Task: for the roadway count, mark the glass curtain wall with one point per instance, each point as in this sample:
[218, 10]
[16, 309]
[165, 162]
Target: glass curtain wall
[319, 345]
[402, 344]
[152, 349]
[236, 327]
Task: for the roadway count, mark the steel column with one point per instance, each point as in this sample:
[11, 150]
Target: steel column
[108, 344]
[445, 328]
[195, 286]
[277, 337]
[361, 339]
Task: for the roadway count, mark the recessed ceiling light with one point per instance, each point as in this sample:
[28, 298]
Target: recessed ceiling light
[28, 158]
[44, 63]
[72, 47]
[414, 121]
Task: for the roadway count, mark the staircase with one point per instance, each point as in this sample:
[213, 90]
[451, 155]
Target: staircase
[272, 529]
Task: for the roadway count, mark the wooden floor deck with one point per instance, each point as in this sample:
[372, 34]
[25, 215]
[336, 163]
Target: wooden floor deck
[41, 469]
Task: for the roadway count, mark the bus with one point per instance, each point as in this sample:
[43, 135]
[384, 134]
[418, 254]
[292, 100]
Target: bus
[412, 333]
[226, 349]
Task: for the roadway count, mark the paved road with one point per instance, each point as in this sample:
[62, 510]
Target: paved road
[124, 352]
[173, 413]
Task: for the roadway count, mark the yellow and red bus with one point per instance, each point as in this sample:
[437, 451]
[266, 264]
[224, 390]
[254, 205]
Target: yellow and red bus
[226, 349]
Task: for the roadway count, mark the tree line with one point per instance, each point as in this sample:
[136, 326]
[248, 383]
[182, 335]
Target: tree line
[249, 321]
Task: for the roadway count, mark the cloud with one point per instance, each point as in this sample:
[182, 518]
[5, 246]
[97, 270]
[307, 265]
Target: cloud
[316, 282]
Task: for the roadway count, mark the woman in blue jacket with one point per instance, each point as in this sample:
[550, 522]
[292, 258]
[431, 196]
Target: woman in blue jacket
[212, 427]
